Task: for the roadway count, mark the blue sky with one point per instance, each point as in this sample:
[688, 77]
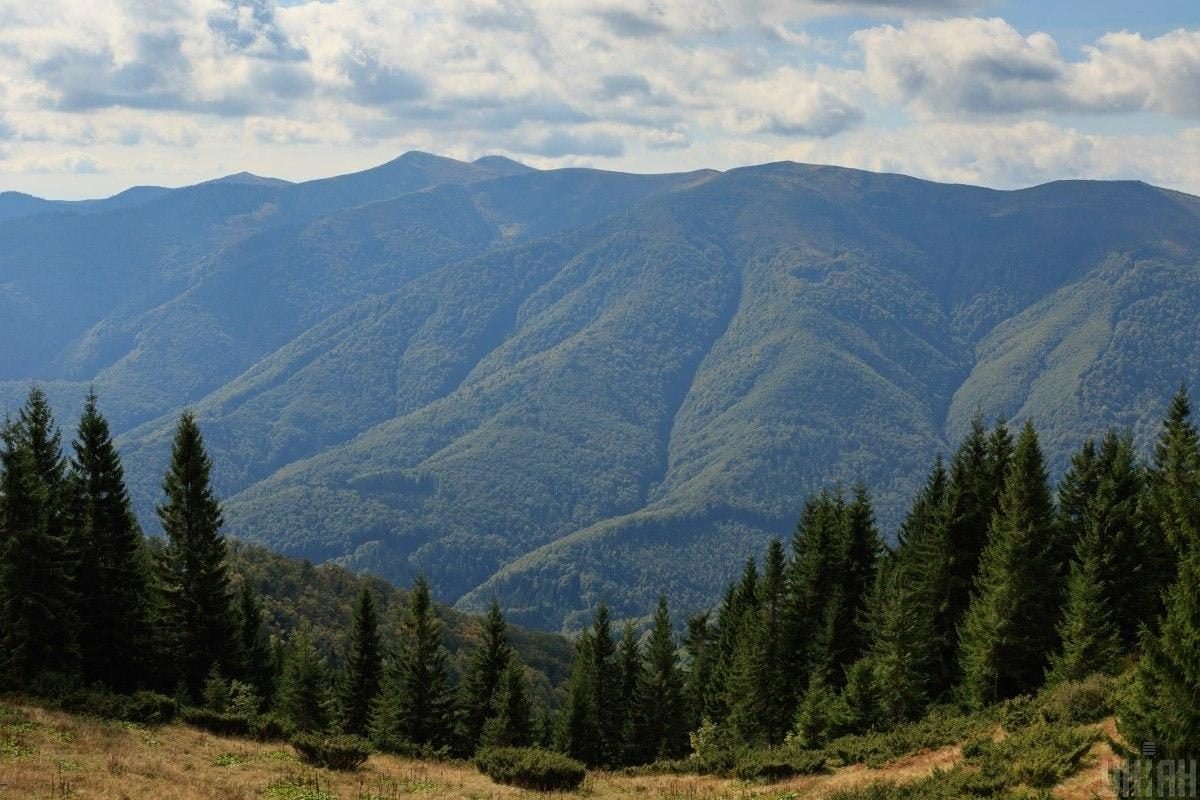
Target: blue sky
[98, 95]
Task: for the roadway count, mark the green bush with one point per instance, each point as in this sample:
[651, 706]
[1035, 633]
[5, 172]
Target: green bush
[1080, 702]
[530, 768]
[145, 707]
[1040, 756]
[343, 753]
[715, 751]
[271, 728]
[778, 763]
[219, 723]
[940, 728]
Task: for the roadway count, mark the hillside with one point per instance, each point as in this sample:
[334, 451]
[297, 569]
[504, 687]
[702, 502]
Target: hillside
[556, 386]
[50, 754]
[323, 595]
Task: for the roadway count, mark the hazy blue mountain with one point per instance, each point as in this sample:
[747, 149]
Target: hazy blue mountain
[557, 386]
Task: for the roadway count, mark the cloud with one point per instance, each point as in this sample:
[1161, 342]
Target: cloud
[562, 143]
[976, 66]
[70, 163]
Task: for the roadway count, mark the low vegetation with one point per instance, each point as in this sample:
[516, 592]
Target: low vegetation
[530, 768]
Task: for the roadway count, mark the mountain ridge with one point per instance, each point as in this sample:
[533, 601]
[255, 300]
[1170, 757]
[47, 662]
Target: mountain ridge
[560, 385]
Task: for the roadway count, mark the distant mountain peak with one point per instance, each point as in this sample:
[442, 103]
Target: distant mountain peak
[249, 178]
[502, 164]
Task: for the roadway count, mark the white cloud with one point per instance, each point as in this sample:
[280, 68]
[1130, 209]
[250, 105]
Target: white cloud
[976, 66]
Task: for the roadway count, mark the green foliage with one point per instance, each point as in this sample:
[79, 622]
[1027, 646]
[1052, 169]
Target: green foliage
[777, 764]
[194, 571]
[511, 722]
[488, 665]
[362, 676]
[1081, 702]
[344, 752]
[530, 768]
[303, 696]
[939, 728]
[1009, 630]
[144, 707]
[1040, 756]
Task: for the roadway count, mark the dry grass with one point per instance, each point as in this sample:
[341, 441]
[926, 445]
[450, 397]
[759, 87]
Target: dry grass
[45, 754]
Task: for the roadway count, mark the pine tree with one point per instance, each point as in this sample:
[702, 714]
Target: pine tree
[1174, 501]
[606, 688]
[304, 687]
[39, 625]
[760, 700]
[971, 502]
[194, 571]
[578, 732]
[631, 697]
[420, 700]
[489, 662]
[511, 723]
[910, 621]
[665, 731]
[1077, 489]
[1091, 639]
[812, 575]
[699, 645]
[363, 673]
[1010, 628]
[257, 662]
[1162, 706]
[111, 579]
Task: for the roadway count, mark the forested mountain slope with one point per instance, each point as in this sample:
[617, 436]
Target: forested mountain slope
[552, 386]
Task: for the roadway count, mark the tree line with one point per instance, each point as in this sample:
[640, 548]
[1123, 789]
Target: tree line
[997, 586]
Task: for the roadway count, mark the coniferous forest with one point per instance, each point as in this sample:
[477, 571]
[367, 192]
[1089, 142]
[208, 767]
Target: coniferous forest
[1003, 600]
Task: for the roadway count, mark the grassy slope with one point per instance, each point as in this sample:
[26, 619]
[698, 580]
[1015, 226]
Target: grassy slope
[46, 754]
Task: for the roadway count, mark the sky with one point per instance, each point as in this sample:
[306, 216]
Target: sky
[100, 95]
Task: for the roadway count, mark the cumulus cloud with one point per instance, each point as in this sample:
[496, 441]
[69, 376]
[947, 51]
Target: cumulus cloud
[974, 66]
[664, 85]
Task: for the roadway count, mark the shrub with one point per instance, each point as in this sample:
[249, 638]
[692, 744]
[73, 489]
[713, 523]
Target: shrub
[271, 728]
[715, 750]
[940, 728]
[530, 768]
[218, 723]
[342, 752]
[149, 708]
[1040, 756]
[1080, 702]
[778, 763]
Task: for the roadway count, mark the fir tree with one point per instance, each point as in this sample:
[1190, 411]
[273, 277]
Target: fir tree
[1174, 501]
[606, 688]
[760, 705]
[304, 687]
[1162, 706]
[257, 662]
[420, 705]
[511, 723]
[910, 657]
[194, 571]
[39, 625]
[578, 731]
[665, 728]
[970, 503]
[699, 646]
[489, 662]
[631, 696]
[1091, 641]
[111, 579]
[1010, 628]
[363, 672]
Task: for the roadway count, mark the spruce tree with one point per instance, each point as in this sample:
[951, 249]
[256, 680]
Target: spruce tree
[489, 662]
[699, 646]
[1091, 640]
[304, 688]
[910, 622]
[631, 696]
[665, 731]
[38, 623]
[606, 688]
[578, 732]
[111, 579]
[363, 673]
[760, 700]
[970, 503]
[1010, 628]
[194, 571]
[1174, 500]
[511, 723]
[257, 662]
[420, 704]
[1162, 706]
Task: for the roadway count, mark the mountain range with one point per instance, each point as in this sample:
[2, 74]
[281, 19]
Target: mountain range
[557, 386]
